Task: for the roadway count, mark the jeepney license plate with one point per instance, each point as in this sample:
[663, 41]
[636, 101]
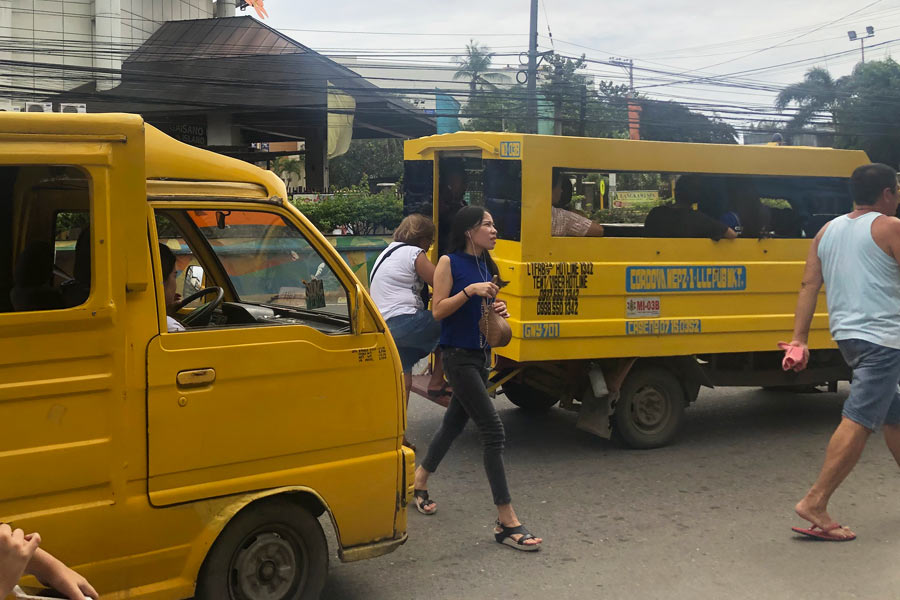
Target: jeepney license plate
[642, 306]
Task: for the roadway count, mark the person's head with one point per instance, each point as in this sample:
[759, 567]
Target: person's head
[472, 231]
[562, 190]
[687, 190]
[875, 185]
[417, 230]
[167, 261]
[452, 185]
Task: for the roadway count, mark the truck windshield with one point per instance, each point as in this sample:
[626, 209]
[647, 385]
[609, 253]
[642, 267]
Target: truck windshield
[270, 262]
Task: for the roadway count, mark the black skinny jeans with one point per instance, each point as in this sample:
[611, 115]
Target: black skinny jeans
[467, 370]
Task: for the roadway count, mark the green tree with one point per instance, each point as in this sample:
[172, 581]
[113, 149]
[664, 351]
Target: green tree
[497, 110]
[818, 93]
[289, 168]
[864, 107]
[674, 122]
[354, 208]
[375, 159]
[563, 87]
[475, 66]
[867, 116]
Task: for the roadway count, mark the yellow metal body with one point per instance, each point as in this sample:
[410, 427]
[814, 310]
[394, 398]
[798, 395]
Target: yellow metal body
[130, 450]
[744, 299]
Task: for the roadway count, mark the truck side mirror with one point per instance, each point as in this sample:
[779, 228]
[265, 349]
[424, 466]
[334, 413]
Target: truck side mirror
[193, 280]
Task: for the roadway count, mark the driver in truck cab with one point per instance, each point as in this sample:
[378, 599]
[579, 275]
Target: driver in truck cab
[170, 285]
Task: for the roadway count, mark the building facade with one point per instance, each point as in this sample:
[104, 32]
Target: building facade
[55, 45]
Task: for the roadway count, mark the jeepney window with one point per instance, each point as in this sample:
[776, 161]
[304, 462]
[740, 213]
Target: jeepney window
[45, 241]
[503, 196]
[572, 203]
[418, 187]
[752, 205]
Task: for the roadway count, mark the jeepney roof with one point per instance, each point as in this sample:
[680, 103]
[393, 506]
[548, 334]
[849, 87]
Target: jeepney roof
[623, 154]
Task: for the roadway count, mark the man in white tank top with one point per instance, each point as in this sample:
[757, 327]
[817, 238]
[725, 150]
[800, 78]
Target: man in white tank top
[857, 257]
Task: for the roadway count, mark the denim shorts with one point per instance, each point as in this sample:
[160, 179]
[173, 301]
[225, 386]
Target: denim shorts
[416, 336]
[874, 398]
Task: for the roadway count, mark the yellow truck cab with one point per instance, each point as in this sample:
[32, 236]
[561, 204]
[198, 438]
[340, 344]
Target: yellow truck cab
[626, 327]
[172, 464]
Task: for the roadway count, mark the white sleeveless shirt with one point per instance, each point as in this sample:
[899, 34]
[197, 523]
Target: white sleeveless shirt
[396, 286]
[862, 283]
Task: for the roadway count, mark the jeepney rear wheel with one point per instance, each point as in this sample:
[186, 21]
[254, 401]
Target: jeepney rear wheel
[650, 409]
[528, 398]
[271, 550]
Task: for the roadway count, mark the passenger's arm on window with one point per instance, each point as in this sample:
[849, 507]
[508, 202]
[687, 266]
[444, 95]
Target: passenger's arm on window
[595, 230]
[425, 268]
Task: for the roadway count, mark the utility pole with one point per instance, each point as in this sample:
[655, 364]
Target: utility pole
[628, 65]
[532, 68]
[870, 32]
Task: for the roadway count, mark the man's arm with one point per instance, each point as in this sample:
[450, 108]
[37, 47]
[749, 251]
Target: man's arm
[810, 286]
[51, 572]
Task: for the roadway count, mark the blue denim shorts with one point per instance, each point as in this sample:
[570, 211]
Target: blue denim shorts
[874, 397]
[416, 336]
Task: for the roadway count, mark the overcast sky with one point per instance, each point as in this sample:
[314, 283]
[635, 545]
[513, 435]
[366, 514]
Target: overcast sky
[700, 37]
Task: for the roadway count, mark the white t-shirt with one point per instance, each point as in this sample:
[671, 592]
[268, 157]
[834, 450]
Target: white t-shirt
[396, 285]
[173, 325]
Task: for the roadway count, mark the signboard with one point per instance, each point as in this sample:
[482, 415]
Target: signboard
[686, 278]
[189, 133]
[631, 199]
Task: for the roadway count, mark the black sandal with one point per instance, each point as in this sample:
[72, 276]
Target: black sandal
[505, 537]
[420, 497]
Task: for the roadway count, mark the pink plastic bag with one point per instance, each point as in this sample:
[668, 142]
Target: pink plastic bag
[793, 356]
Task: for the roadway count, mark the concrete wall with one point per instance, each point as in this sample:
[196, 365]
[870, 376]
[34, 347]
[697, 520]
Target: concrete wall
[62, 44]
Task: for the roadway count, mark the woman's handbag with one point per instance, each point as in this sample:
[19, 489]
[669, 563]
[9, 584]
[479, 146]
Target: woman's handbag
[495, 329]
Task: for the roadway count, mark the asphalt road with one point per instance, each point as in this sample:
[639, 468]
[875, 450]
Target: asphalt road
[708, 517]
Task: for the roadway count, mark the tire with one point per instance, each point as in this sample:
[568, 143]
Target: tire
[528, 398]
[271, 550]
[650, 409]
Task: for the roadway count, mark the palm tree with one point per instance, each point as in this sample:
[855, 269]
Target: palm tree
[475, 66]
[817, 93]
[288, 168]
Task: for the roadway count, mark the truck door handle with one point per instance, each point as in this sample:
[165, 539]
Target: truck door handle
[196, 378]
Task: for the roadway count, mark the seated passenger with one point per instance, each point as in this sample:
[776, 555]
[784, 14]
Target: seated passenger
[565, 222]
[745, 208]
[680, 220]
[33, 276]
[170, 285]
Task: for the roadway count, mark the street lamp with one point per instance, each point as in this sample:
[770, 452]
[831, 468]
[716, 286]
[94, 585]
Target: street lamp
[870, 32]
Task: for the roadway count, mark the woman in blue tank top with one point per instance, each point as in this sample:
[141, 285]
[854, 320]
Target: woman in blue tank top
[463, 281]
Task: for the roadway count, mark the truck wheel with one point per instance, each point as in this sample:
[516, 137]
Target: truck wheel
[528, 398]
[650, 409]
[272, 550]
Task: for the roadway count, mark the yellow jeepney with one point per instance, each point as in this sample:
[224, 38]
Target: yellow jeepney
[195, 463]
[625, 328]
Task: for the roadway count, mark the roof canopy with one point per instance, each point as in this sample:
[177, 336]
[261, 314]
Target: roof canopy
[273, 88]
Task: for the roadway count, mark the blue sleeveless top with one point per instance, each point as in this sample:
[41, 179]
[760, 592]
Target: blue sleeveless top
[460, 329]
